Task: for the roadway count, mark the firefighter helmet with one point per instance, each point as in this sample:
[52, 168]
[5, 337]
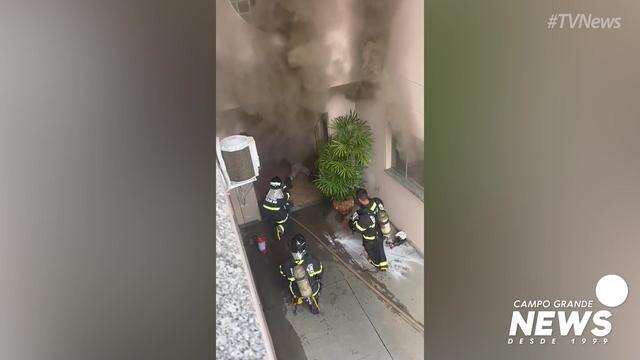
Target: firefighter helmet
[361, 194]
[298, 247]
[275, 183]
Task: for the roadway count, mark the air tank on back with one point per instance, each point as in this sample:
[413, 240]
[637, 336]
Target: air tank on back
[385, 225]
[302, 281]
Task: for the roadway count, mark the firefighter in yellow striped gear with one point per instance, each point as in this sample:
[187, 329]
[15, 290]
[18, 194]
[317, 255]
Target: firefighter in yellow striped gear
[276, 206]
[312, 274]
[364, 221]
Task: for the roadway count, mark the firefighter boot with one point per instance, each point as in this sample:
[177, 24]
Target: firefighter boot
[312, 306]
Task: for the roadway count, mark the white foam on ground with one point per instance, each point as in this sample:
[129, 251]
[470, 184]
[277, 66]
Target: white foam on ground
[400, 258]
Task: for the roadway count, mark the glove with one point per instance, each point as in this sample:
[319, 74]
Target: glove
[352, 226]
[297, 300]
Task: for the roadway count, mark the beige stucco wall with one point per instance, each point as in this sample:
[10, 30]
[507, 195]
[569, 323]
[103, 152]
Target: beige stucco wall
[233, 44]
[405, 74]
[338, 105]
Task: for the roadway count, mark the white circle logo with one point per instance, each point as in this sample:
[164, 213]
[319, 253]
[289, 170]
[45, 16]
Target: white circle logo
[612, 290]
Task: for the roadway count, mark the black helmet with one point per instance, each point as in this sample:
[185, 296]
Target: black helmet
[362, 198]
[361, 194]
[298, 247]
[275, 182]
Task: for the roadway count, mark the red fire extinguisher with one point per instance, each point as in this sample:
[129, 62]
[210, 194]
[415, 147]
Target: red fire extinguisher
[262, 243]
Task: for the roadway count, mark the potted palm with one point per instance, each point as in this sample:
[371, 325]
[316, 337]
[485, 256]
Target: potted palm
[342, 160]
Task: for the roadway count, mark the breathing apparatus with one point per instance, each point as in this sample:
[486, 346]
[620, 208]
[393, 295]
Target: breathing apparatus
[385, 225]
[298, 247]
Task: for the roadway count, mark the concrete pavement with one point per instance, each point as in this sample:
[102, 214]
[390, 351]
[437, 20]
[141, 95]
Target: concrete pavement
[354, 322]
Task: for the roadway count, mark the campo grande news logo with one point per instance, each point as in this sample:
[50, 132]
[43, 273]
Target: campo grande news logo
[573, 321]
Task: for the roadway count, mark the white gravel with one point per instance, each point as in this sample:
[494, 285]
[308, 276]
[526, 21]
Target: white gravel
[238, 334]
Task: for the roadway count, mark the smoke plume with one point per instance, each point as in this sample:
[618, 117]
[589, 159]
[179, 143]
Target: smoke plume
[276, 70]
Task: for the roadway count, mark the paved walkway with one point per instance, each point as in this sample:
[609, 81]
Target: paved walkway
[354, 322]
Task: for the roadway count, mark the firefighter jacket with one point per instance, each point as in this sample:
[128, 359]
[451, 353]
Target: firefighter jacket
[375, 205]
[276, 204]
[364, 221]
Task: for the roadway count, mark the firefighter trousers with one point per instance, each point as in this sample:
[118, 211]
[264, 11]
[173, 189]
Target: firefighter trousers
[279, 223]
[375, 251]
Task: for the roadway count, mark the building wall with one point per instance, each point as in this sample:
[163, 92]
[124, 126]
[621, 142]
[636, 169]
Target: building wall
[405, 76]
[338, 105]
[233, 45]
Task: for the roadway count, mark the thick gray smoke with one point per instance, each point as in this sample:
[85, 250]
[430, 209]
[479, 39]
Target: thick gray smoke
[277, 70]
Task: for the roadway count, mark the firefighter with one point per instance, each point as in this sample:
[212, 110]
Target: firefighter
[310, 282]
[364, 201]
[364, 221]
[276, 206]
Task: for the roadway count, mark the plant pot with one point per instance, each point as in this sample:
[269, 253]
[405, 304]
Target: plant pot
[343, 207]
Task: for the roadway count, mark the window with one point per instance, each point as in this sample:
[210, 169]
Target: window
[322, 131]
[407, 162]
[243, 8]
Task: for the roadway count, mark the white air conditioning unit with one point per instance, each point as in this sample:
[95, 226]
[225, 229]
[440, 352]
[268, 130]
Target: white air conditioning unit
[238, 159]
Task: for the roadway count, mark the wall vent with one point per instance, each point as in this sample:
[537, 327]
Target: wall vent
[238, 159]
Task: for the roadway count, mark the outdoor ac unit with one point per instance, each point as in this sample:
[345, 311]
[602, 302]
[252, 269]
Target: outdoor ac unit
[238, 159]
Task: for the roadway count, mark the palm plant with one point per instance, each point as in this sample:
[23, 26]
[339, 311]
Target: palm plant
[344, 157]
